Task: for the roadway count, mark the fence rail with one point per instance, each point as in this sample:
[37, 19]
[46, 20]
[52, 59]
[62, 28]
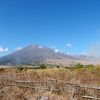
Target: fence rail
[60, 86]
[90, 97]
[74, 84]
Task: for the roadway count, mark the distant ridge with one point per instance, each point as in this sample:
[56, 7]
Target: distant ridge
[33, 54]
[37, 54]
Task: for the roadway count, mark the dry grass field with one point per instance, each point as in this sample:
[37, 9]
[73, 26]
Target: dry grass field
[12, 83]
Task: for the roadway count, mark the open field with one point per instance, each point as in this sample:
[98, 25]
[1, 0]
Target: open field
[50, 84]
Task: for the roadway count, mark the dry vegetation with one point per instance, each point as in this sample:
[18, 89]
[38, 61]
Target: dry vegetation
[90, 75]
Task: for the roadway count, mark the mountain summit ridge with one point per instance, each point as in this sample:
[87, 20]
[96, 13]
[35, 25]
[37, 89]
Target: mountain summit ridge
[37, 54]
[32, 54]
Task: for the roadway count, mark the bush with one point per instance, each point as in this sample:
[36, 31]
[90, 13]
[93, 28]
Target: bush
[58, 66]
[78, 66]
[1, 69]
[20, 68]
[90, 66]
[42, 66]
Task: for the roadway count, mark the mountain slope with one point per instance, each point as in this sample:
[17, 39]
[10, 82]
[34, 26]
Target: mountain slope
[33, 54]
[37, 54]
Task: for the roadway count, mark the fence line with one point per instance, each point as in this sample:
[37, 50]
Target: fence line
[74, 84]
[55, 80]
[50, 85]
[90, 97]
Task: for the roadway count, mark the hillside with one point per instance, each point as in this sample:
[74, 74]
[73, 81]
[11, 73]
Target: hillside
[33, 54]
[37, 54]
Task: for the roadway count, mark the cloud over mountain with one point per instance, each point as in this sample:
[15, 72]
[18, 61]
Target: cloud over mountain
[2, 49]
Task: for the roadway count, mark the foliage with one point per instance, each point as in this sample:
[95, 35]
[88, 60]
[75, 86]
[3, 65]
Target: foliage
[58, 66]
[20, 68]
[1, 69]
[78, 65]
[42, 66]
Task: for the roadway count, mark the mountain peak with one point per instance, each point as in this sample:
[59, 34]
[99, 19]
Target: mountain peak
[34, 45]
[33, 54]
[37, 54]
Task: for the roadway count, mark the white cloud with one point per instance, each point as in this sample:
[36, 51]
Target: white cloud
[18, 48]
[40, 47]
[56, 50]
[69, 45]
[6, 49]
[3, 49]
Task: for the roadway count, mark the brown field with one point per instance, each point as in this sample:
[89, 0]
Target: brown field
[11, 87]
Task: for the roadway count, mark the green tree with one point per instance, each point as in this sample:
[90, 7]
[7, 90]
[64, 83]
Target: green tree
[43, 66]
[58, 66]
[77, 66]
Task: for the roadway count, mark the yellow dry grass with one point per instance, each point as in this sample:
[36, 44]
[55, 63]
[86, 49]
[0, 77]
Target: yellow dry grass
[83, 76]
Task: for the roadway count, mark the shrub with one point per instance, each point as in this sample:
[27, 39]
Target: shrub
[79, 65]
[90, 66]
[20, 68]
[1, 69]
[58, 66]
[42, 66]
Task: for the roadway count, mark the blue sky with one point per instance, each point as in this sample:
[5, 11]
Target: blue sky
[72, 26]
